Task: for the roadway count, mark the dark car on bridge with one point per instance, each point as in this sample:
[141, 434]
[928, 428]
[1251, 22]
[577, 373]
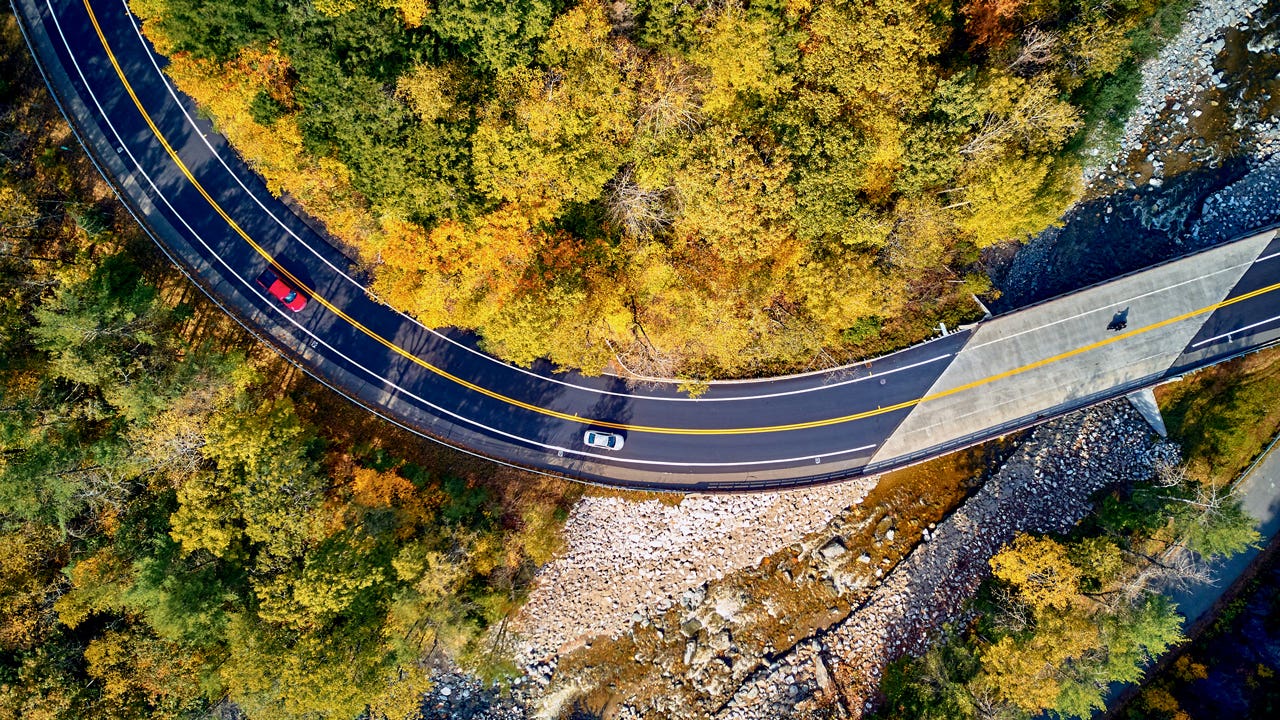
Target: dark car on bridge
[281, 290]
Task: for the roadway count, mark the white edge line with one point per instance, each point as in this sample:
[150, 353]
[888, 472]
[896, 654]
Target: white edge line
[872, 376]
[385, 381]
[751, 462]
[1109, 306]
[1237, 331]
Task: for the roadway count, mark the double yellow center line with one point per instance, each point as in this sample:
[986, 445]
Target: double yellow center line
[603, 423]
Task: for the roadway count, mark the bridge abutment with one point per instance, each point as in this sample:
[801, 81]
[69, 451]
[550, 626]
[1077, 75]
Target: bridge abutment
[1144, 401]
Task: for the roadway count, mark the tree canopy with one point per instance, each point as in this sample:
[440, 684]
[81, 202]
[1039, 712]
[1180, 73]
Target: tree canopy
[181, 526]
[707, 188]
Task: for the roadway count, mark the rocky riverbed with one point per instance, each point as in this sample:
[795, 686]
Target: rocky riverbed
[1190, 66]
[1045, 487]
[625, 562]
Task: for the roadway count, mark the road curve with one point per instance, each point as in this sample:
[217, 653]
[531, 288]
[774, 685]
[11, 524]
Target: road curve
[216, 220]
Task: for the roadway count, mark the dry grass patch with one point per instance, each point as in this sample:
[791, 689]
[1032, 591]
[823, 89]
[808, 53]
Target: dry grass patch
[1224, 415]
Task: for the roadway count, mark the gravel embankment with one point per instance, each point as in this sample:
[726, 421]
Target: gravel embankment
[625, 560]
[1045, 487]
[1250, 203]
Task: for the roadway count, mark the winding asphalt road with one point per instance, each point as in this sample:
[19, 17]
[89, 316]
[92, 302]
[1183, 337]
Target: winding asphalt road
[216, 220]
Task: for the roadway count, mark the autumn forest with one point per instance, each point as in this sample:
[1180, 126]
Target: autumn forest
[191, 527]
[693, 188]
[186, 522]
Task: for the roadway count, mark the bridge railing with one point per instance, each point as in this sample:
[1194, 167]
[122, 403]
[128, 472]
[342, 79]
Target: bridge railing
[1131, 273]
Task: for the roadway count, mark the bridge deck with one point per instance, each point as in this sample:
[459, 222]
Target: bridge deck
[1037, 360]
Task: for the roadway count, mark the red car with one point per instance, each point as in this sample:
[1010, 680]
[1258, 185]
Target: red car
[272, 283]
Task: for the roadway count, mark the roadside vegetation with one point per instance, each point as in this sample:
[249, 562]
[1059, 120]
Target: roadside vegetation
[1230, 669]
[1225, 415]
[693, 188]
[1063, 617]
[185, 520]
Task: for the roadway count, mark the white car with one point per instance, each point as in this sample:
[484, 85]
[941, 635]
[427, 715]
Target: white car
[608, 441]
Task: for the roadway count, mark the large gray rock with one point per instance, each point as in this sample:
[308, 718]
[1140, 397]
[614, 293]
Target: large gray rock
[833, 549]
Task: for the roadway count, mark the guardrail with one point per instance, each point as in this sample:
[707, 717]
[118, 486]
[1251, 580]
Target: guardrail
[1131, 273]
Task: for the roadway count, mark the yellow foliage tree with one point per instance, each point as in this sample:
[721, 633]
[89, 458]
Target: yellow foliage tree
[402, 697]
[921, 235]
[563, 324]
[431, 91]
[335, 574]
[413, 12]
[737, 53]
[1097, 45]
[1040, 571]
[27, 568]
[557, 136]
[459, 271]
[1010, 197]
[17, 213]
[141, 675]
[870, 56]
[262, 491]
[98, 582]
[667, 91]
[206, 519]
[839, 289]
[420, 614]
[735, 226]
[171, 446]
[1027, 114]
[1029, 673]
[274, 674]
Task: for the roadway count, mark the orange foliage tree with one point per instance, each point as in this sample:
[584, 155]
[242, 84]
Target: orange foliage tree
[991, 22]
